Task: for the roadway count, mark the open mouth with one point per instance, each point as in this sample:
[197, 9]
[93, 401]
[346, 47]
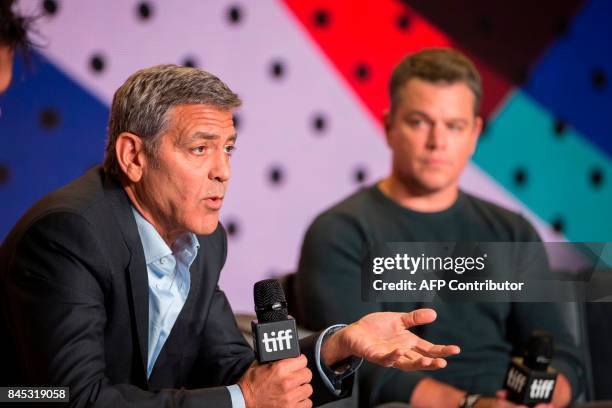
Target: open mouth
[213, 203]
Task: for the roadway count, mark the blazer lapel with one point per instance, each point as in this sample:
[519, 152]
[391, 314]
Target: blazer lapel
[137, 267]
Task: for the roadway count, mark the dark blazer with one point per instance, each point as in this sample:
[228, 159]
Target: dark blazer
[75, 300]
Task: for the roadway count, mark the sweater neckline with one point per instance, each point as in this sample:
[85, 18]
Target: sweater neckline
[391, 204]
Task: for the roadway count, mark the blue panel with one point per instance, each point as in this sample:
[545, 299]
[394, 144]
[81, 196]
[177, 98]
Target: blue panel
[563, 80]
[40, 158]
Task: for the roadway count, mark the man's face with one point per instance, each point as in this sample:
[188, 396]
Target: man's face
[184, 192]
[6, 66]
[432, 134]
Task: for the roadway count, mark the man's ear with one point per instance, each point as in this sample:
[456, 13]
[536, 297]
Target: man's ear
[478, 123]
[129, 149]
[387, 122]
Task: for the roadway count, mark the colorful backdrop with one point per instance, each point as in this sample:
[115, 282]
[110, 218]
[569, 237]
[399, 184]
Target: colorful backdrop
[313, 78]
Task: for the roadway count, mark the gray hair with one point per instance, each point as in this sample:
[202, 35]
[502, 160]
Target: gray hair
[141, 105]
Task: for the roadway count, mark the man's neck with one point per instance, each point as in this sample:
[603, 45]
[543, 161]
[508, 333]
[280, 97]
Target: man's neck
[418, 200]
[168, 236]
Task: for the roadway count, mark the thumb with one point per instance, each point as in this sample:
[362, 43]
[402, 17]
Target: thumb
[418, 317]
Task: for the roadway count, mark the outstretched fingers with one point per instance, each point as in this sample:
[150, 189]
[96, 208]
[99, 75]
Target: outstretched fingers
[408, 360]
[436, 350]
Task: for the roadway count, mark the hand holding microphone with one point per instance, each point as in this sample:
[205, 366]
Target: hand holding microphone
[529, 380]
[282, 384]
[279, 377]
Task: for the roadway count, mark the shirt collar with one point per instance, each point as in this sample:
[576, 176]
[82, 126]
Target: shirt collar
[154, 245]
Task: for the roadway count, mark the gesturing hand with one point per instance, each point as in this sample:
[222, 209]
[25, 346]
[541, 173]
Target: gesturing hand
[383, 338]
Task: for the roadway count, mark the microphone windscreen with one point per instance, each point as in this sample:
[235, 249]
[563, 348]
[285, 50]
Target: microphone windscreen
[270, 302]
[539, 350]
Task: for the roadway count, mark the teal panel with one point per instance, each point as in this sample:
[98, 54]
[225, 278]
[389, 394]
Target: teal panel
[565, 178]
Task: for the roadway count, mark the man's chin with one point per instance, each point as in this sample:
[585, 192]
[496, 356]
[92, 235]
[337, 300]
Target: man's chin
[434, 185]
[207, 227]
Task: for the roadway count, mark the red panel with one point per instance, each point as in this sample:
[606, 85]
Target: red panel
[367, 33]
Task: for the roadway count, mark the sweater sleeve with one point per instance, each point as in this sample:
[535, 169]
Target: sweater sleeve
[329, 292]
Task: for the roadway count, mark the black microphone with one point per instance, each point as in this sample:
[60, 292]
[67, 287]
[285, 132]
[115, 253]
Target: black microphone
[275, 335]
[530, 380]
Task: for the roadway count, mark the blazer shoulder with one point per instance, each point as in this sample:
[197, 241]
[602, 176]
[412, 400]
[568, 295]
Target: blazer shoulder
[71, 205]
[76, 197]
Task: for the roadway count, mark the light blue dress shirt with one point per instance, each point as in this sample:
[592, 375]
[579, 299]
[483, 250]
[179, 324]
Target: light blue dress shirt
[169, 282]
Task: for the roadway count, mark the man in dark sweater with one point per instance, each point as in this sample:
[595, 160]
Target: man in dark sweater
[432, 128]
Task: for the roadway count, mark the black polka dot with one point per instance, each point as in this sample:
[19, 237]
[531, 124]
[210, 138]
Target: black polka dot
[362, 71]
[360, 175]
[520, 176]
[321, 18]
[50, 7]
[190, 62]
[4, 174]
[276, 175]
[483, 25]
[277, 69]
[232, 228]
[560, 127]
[97, 63]
[144, 10]
[49, 118]
[234, 14]
[319, 123]
[237, 121]
[403, 22]
[597, 177]
[598, 78]
[558, 224]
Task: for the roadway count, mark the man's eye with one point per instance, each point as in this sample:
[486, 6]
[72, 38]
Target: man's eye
[198, 149]
[455, 127]
[229, 149]
[416, 123]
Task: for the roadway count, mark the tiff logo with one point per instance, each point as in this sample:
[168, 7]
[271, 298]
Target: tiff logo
[541, 388]
[515, 380]
[278, 341]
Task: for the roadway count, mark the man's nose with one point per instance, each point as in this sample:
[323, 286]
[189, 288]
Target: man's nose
[437, 137]
[220, 169]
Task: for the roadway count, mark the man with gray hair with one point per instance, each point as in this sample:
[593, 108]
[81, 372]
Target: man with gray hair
[110, 284]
